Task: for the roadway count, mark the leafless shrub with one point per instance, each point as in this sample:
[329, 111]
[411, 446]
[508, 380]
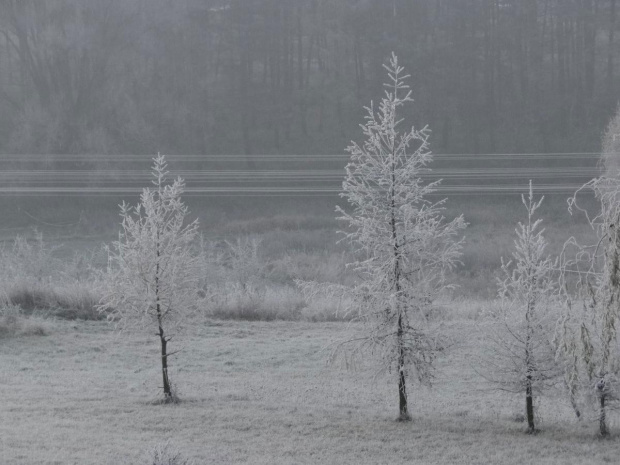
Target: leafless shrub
[165, 453]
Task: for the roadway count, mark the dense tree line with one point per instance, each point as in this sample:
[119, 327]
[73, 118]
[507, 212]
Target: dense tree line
[281, 76]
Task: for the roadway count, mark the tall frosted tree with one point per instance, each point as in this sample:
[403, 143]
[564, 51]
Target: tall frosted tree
[519, 355]
[404, 242]
[587, 335]
[152, 271]
[611, 146]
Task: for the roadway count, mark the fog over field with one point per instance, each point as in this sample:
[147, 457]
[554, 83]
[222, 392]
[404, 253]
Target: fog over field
[309, 231]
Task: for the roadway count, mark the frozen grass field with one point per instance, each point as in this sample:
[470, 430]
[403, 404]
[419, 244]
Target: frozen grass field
[257, 392]
[260, 393]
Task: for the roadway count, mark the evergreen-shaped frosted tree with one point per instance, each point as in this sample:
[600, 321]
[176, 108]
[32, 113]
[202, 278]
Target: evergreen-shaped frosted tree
[404, 242]
[152, 270]
[520, 356]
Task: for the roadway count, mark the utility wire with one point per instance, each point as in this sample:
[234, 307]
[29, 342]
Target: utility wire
[122, 180]
[102, 158]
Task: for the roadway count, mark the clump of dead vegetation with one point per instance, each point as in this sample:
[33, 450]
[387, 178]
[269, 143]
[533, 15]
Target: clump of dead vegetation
[13, 323]
[36, 280]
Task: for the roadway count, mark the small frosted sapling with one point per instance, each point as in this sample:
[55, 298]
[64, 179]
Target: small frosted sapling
[403, 241]
[519, 356]
[152, 270]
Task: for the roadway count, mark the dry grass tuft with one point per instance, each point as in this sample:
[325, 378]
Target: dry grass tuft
[70, 302]
[166, 454]
[35, 278]
[265, 304]
[14, 324]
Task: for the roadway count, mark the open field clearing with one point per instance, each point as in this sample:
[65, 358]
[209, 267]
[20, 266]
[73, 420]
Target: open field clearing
[260, 393]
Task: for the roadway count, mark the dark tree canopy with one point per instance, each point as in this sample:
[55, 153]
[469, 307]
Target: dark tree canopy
[276, 76]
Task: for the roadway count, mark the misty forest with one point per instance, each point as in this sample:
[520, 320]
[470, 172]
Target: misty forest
[309, 231]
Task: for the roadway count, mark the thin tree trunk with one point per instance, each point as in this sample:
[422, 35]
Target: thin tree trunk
[529, 405]
[531, 307]
[529, 398]
[573, 401]
[164, 365]
[402, 388]
[162, 337]
[602, 418]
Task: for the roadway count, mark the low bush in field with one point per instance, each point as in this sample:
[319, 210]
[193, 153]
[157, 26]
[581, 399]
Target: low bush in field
[14, 323]
[243, 281]
[326, 309]
[70, 302]
[166, 454]
[308, 266]
[272, 302]
[33, 278]
[257, 304]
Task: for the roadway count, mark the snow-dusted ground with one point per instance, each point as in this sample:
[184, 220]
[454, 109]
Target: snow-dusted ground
[260, 393]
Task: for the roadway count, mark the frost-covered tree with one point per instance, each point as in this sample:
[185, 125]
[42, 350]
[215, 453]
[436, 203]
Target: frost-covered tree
[611, 146]
[152, 270]
[520, 357]
[244, 262]
[587, 335]
[405, 244]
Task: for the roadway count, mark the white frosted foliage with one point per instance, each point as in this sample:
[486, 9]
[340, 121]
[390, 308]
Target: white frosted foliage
[152, 269]
[587, 334]
[519, 355]
[404, 243]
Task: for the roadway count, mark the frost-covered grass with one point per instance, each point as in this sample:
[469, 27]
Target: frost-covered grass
[71, 301]
[35, 278]
[13, 323]
[49, 277]
[54, 276]
[260, 393]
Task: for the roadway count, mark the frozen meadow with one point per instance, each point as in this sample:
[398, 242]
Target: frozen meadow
[252, 374]
[260, 392]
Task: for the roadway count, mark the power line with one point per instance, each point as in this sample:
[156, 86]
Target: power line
[276, 191]
[295, 181]
[102, 158]
[114, 174]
